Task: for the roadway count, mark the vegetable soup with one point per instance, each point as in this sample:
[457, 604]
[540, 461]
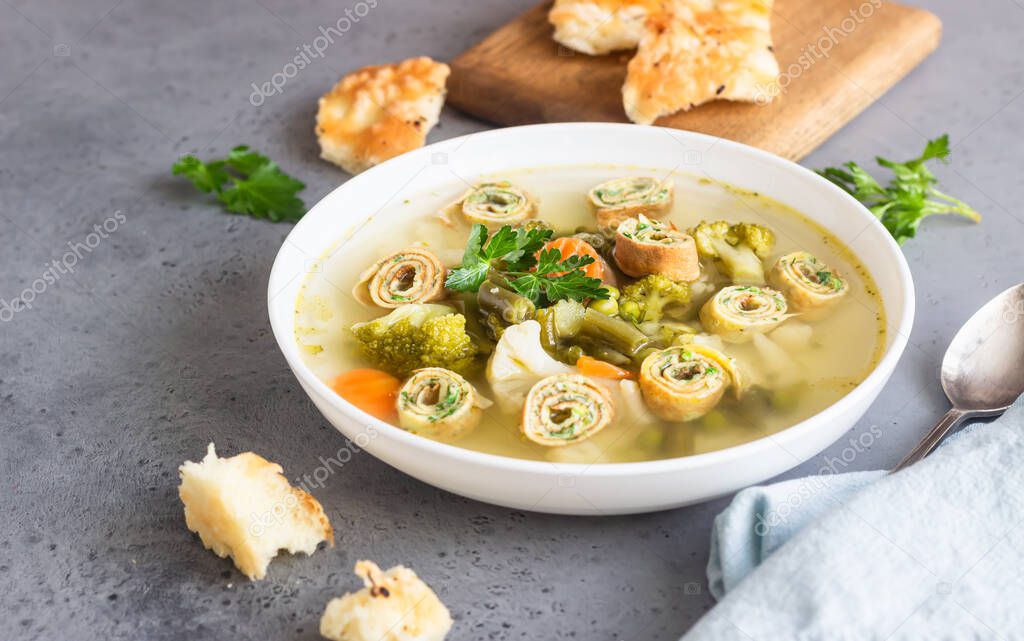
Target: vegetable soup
[594, 314]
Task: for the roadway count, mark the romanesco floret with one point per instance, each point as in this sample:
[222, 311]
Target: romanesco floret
[415, 336]
[736, 248]
[647, 298]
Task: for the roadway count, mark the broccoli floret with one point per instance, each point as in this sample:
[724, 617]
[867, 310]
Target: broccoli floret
[736, 248]
[415, 336]
[647, 298]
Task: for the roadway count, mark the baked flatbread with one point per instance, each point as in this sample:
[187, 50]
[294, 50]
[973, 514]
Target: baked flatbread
[597, 27]
[380, 112]
[699, 50]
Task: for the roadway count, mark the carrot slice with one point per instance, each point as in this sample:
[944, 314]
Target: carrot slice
[589, 366]
[371, 390]
[569, 246]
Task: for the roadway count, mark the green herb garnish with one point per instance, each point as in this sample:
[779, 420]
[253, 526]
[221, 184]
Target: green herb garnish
[910, 195]
[246, 182]
[513, 253]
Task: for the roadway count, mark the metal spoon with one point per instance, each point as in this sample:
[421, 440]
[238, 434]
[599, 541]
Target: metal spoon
[983, 369]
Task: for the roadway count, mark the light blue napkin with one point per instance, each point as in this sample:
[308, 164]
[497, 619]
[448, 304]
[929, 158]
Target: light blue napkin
[934, 552]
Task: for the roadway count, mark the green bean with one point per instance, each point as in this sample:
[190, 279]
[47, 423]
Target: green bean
[548, 332]
[639, 357]
[509, 306]
[605, 353]
[613, 333]
[571, 354]
[501, 308]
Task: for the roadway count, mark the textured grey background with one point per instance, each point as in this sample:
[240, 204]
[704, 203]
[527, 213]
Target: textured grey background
[159, 341]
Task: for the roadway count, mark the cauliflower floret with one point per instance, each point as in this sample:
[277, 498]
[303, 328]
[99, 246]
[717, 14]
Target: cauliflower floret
[518, 362]
[777, 368]
[736, 248]
[394, 606]
[416, 336]
[647, 298]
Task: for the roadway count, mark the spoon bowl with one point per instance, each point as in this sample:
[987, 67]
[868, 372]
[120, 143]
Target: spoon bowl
[981, 371]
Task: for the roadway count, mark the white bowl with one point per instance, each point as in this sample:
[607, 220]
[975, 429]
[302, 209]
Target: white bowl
[603, 488]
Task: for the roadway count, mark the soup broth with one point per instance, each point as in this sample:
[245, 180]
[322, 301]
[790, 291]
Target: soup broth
[810, 361]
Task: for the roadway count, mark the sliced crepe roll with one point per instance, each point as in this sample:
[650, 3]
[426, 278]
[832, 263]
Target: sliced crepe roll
[685, 383]
[413, 275]
[738, 312]
[806, 282]
[494, 204]
[439, 403]
[616, 200]
[644, 246]
[565, 409]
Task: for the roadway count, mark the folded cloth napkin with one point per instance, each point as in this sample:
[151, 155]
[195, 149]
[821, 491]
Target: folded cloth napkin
[933, 552]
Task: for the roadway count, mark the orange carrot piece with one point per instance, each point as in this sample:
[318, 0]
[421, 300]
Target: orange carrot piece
[569, 246]
[371, 390]
[589, 366]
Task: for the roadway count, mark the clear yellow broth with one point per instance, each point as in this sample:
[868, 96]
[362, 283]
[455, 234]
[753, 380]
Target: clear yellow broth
[845, 344]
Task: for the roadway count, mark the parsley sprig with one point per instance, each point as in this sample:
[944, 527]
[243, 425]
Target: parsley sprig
[246, 182]
[515, 253]
[909, 197]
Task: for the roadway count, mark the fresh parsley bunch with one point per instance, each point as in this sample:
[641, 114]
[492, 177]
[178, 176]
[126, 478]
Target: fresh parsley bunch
[909, 197]
[516, 253]
[246, 182]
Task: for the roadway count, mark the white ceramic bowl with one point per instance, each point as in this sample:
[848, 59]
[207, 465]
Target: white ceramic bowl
[603, 488]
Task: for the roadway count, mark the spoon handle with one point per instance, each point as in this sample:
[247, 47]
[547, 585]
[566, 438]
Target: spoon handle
[928, 443]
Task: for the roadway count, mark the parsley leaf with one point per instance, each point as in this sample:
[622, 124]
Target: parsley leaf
[556, 279]
[909, 197]
[246, 182]
[206, 177]
[509, 249]
[515, 252]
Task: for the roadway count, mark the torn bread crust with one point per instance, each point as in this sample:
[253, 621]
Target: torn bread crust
[244, 507]
[699, 50]
[380, 112]
[597, 27]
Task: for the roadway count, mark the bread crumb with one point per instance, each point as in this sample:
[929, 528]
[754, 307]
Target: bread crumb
[394, 606]
[244, 507]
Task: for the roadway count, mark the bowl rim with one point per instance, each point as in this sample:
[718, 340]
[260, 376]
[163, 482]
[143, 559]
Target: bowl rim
[796, 432]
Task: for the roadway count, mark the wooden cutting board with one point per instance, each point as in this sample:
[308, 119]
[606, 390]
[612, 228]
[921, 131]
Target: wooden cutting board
[836, 56]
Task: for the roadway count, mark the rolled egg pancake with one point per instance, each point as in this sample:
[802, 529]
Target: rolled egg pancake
[644, 246]
[738, 312]
[684, 383]
[494, 204]
[413, 275]
[619, 199]
[806, 282]
[565, 409]
[439, 403]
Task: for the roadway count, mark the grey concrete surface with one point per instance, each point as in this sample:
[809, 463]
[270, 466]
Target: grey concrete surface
[157, 342]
